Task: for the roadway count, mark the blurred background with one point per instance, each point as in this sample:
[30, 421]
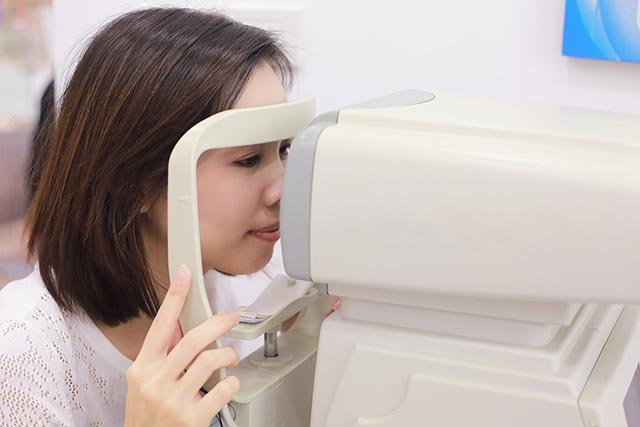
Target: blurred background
[345, 52]
[26, 67]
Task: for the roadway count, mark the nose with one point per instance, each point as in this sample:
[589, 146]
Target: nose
[273, 191]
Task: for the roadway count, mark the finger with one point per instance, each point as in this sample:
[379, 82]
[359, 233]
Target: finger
[176, 337]
[197, 340]
[203, 367]
[162, 329]
[288, 323]
[213, 401]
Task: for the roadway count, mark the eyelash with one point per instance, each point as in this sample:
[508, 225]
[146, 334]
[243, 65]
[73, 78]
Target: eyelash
[254, 160]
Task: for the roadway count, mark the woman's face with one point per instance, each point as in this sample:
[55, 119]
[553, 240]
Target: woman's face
[239, 191]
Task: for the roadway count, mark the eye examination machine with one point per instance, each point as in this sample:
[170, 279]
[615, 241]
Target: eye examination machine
[486, 255]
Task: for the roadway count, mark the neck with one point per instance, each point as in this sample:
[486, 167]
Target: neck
[129, 337]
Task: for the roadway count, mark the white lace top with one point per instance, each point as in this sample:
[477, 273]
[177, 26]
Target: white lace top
[58, 369]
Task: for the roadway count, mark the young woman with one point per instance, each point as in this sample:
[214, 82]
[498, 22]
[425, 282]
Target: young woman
[97, 226]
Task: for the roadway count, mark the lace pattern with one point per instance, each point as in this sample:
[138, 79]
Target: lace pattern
[50, 375]
[58, 369]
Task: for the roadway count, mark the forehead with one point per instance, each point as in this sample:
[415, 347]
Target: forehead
[264, 88]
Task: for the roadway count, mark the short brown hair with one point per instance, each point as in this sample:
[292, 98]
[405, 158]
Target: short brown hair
[143, 81]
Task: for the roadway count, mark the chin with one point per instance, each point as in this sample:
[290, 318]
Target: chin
[244, 265]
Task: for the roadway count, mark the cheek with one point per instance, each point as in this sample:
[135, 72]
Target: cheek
[227, 212]
[226, 209]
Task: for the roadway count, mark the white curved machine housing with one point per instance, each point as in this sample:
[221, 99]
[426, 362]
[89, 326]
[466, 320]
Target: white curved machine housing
[482, 251]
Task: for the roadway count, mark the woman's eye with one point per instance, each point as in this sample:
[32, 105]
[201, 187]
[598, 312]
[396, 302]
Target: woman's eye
[284, 150]
[249, 162]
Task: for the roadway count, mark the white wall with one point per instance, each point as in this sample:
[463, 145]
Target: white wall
[358, 49]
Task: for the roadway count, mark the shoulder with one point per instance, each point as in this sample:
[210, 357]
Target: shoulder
[49, 369]
[33, 328]
[30, 355]
[30, 320]
[26, 302]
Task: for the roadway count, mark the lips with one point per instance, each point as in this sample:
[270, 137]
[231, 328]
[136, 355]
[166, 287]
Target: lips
[269, 234]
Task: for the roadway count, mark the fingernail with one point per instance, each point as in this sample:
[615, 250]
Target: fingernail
[181, 275]
[234, 316]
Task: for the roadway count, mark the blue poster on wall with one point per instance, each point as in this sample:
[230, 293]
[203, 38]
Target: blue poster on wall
[602, 29]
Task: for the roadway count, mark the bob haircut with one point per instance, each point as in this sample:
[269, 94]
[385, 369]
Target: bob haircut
[143, 81]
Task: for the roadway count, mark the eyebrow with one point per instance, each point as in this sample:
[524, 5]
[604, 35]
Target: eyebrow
[257, 146]
[228, 152]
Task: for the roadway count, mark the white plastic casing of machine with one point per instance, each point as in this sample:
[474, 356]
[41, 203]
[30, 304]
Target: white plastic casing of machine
[482, 251]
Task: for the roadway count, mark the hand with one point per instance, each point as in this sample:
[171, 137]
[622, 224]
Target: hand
[288, 324]
[160, 392]
[334, 305]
